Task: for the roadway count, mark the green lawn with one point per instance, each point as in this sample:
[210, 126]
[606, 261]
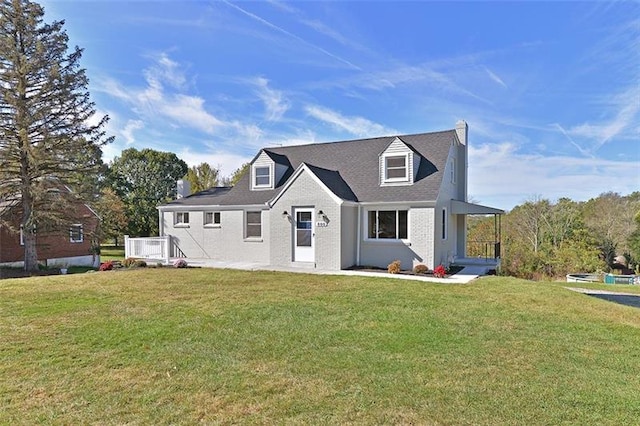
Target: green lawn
[186, 346]
[111, 253]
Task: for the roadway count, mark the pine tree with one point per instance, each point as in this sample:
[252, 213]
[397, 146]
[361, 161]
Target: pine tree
[46, 140]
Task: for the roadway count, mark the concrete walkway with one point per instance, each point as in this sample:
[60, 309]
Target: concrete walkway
[466, 275]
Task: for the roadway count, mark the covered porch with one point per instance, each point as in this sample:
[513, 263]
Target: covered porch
[482, 254]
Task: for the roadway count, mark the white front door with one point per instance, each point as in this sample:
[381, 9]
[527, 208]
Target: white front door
[304, 236]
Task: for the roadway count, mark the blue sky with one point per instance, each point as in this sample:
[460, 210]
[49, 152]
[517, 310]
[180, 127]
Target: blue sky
[550, 90]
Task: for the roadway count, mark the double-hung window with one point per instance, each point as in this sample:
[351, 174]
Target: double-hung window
[253, 225]
[388, 224]
[262, 177]
[76, 234]
[396, 168]
[181, 218]
[212, 218]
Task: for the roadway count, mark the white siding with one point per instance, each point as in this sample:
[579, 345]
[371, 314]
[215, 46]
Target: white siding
[223, 243]
[349, 238]
[305, 191]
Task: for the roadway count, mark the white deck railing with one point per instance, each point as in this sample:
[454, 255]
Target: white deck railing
[156, 248]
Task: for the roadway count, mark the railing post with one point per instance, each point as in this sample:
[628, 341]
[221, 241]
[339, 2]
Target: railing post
[167, 245]
[127, 250]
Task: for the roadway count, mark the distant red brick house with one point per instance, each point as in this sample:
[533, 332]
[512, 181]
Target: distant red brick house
[65, 247]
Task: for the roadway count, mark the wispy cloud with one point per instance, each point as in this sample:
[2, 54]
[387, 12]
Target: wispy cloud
[132, 126]
[156, 100]
[275, 102]
[491, 165]
[494, 77]
[291, 35]
[357, 126]
[625, 108]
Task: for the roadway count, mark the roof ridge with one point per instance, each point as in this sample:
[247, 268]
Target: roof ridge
[358, 140]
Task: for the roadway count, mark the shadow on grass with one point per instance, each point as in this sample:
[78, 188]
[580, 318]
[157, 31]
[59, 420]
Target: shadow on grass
[622, 299]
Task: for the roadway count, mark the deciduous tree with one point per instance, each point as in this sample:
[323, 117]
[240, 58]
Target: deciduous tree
[144, 179]
[202, 177]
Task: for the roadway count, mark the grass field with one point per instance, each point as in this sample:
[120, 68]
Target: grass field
[172, 346]
[111, 253]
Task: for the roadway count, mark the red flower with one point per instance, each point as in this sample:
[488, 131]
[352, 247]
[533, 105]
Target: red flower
[439, 271]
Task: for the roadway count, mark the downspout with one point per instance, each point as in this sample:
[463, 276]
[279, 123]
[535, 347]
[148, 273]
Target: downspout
[359, 235]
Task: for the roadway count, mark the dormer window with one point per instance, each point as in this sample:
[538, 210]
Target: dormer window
[398, 164]
[396, 168]
[262, 176]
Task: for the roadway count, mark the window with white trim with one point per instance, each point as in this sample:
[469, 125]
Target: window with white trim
[262, 177]
[253, 225]
[76, 234]
[21, 235]
[387, 224]
[444, 223]
[212, 218]
[396, 168]
[181, 218]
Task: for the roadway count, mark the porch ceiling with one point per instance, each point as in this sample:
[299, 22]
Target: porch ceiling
[461, 207]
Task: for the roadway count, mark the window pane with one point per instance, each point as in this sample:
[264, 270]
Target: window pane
[262, 176]
[254, 224]
[396, 173]
[75, 233]
[396, 161]
[216, 218]
[372, 225]
[262, 181]
[303, 238]
[402, 224]
[208, 218]
[254, 231]
[387, 224]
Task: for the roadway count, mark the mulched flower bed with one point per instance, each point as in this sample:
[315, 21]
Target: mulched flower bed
[452, 271]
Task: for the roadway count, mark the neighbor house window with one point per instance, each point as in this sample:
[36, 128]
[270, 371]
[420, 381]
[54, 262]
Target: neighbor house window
[181, 218]
[253, 226]
[212, 218]
[21, 235]
[444, 224]
[262, 176]
[388, 224]
[75, 234]
[395, 168]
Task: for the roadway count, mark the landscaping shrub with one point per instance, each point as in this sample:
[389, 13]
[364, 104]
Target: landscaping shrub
[106, 266]
[394, 267]
[128, 262]
[180, 263]
[139, 263]
[439, 271]
[420, 269]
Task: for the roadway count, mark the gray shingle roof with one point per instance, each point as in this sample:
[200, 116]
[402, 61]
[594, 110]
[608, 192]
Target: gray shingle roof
[349, 169]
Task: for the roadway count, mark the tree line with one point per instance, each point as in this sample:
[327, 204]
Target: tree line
[546, 240]
[135, 183]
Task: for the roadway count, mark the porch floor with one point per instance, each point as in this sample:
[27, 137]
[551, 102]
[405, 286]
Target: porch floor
[467, 274]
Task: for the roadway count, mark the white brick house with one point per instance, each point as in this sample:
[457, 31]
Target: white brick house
[335, 205]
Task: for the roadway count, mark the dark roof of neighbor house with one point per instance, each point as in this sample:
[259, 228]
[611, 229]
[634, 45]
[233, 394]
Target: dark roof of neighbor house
[208, 196]
[350, 169]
